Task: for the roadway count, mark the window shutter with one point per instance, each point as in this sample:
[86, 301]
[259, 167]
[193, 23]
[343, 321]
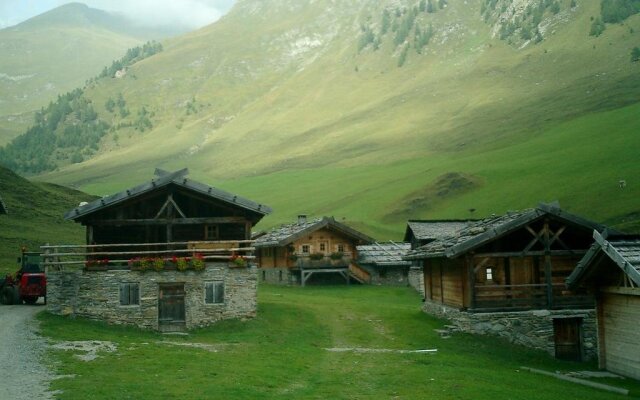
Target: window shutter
[124, 294]
[208, 296]
[219, 292]
[134, 293]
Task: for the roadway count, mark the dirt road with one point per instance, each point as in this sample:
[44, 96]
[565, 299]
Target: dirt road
[23, 375]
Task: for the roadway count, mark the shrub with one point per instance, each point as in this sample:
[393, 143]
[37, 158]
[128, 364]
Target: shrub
[316, 256]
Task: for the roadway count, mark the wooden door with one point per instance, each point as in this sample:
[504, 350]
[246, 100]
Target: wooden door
[567, 334]
[171, 309]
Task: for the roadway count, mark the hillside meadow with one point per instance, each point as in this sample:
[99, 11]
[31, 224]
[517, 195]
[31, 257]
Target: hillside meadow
[283, 354]
[470, 123]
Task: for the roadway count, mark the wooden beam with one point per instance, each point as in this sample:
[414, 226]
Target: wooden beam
[532, 253]
[471, 276]
[176, 221]
[547, 264]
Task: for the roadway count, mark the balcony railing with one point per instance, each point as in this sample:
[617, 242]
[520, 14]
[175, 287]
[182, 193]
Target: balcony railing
[527, 296]
[307, 261]
[124, 255]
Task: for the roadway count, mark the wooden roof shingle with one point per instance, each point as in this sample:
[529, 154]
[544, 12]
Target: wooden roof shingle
[285, 234]
[623, 250]
[386, 253]
[481, 232]
[165, 178]
[433, 229]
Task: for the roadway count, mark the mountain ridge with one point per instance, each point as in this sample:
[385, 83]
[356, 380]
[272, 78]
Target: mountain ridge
[279, 91]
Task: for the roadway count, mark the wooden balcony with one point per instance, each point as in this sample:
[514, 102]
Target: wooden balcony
[489, 298]
[129, 255]
[306, 261]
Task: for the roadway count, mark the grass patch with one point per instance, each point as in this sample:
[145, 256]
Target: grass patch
[281, 354]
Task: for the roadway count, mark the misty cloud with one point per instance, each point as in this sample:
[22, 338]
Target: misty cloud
[183, 13]
[189, 14]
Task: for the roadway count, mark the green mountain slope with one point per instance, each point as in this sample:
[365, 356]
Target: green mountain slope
[378, 111]
[56, 52]
[35, 217]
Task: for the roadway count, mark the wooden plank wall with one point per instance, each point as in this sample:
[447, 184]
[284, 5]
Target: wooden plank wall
[621, 314]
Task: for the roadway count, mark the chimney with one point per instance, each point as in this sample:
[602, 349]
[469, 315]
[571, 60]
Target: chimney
[302, 218]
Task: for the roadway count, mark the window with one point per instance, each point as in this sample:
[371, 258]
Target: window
[323, 247]
[490, 273]
[341, 248]
[214, 292]
[306, 249]
[129, 294]
[211, 232]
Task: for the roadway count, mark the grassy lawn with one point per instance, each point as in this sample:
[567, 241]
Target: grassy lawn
[281, 354]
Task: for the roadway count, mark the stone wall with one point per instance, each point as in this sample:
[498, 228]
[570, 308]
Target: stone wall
[278, 276]
[533, 329]
[96, 294]
[416, 279]
[388, 275]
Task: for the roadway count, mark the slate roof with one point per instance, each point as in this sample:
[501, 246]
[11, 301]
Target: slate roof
[623, 250]
[480, 232]
[165, 178]
[285, 234]
[433, 229]
[3, 207]
[386, 253]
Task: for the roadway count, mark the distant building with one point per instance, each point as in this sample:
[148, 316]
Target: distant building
[170, 254]
[611, 270]
[3, 207]
[310, 250]
[422, 231]
[505, 275]
[384, 263]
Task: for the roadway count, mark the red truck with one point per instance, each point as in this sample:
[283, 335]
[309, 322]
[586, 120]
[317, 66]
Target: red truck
[27, 284]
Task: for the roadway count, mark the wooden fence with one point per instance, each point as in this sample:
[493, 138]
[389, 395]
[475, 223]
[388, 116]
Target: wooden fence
[122, 255]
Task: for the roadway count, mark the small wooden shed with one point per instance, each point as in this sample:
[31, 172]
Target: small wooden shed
[505, 275]
[611, 270]
[322, 248]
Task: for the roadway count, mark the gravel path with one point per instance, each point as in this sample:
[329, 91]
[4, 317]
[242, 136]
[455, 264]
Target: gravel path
[22, 374]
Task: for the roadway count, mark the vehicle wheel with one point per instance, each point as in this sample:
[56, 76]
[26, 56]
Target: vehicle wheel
[30, 299]
[7, 296]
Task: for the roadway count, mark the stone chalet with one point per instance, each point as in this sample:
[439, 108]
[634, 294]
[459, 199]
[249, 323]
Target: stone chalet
[611, 270]
[171, 254]
[505, 275]
[321, 250]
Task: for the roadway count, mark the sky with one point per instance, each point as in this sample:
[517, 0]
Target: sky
[181, 13]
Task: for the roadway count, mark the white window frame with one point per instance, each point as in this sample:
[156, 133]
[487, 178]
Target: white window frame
[217, 293]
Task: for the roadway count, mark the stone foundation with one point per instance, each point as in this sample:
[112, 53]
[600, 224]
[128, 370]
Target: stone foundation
[533, 329]
[388, 275]
[278, 276]
[96, 295]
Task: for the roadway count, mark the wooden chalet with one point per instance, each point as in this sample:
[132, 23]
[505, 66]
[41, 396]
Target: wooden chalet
[512, 263]
[3, 207]
[170, 254]
[384, 263]
[611, 270]
[324, 248]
